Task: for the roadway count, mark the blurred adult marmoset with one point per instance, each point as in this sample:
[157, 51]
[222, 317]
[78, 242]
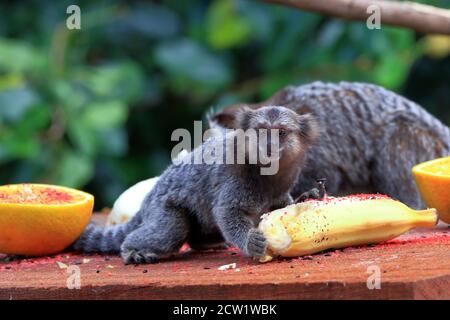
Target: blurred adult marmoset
[371, 137]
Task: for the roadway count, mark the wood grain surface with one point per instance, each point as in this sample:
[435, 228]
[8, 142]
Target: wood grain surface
[413, 266]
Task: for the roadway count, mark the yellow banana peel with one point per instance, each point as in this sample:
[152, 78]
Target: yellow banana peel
[317, 225]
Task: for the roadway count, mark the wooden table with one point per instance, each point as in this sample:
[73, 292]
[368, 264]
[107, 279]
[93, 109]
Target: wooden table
[413, 266]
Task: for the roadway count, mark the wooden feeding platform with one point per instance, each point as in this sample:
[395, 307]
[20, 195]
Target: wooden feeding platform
[413, 266]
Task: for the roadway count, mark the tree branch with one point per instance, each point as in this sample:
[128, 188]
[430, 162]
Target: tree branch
[419, 17]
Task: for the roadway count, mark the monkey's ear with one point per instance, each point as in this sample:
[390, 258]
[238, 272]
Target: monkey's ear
[309, 127]
[229, 118]
[223, 119]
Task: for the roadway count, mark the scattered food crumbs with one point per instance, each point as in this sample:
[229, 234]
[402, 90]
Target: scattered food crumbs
[144, 271]
[110, 266]
[97, 271]
[86, 260]
[307, 258]
[61, 265]
[237, 269]
[227, 266]
[206, 268]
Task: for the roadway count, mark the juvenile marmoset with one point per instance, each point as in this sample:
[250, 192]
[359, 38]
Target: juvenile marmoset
[371, 137]
[207, 204]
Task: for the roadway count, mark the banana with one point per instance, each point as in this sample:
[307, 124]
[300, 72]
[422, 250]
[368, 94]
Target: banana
[316, 225]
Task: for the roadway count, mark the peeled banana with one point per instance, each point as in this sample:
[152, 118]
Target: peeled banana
[316, 225]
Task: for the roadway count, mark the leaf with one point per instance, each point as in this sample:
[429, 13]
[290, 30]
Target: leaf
[82, 136]
[121, 81]
[70, 95]
[153, 20]
[274, 83]
[14, 103]
[19, 144]
[260, 18]
[330, 34]
[17, 56]
[437, 46]
[114, 142]
[295, 28]
[391, 72]
[73, 170]
[11, 80]
[145, 19]
[225, 27]
[105, 115]
[187, 61]
[35, 119]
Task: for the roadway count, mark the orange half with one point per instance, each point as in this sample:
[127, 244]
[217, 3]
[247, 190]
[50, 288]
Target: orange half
[39, 219]
[433, 181]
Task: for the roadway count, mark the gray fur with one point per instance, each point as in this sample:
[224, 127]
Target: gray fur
[371, 138]
[205, 204]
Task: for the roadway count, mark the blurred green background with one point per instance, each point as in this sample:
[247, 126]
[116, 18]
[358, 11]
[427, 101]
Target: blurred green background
[95, 108]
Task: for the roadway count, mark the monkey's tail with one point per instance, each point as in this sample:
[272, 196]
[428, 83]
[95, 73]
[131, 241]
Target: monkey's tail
[109, 239]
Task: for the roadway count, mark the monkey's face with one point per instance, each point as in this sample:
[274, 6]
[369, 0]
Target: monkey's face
[281, 133]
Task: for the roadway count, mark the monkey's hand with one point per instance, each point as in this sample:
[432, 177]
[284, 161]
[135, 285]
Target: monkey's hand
[284, 201]
[314, 193]
[256, 243]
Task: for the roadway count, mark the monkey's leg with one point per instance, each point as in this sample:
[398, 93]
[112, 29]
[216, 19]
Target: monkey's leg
[406, 142]
[157, 238]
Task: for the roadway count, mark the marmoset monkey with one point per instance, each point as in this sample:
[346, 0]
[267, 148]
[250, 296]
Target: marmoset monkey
[207, 204]
[370, 140]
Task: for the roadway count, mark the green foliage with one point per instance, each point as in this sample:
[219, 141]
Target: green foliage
[95, 108]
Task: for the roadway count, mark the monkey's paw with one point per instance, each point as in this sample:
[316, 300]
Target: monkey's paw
[256, 244]
[133, 256]
[311, 194]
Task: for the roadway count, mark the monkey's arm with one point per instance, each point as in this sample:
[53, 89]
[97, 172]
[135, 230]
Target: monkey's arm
[238, 229]
[314, 193]
[311, 194]
[282, 202]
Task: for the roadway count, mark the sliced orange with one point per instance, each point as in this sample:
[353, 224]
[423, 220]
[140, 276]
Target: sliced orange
[39, 219]
[433, 180]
